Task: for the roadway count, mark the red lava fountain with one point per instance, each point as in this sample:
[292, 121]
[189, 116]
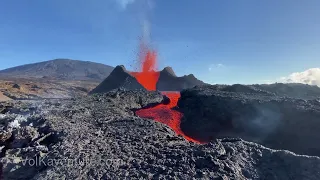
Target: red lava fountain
[148, 77]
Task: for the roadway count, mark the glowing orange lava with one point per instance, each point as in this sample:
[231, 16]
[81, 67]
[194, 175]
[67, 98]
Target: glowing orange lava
[166, 115]
[148, 76]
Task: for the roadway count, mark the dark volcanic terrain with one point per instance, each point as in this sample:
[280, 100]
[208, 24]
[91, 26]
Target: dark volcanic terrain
[60, 69]
[99, 137]
[280, 122]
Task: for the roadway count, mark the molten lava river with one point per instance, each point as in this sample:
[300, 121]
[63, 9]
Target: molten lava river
[163, 113]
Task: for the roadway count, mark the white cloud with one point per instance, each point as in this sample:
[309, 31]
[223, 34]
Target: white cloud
[310, 76]
[215, 66]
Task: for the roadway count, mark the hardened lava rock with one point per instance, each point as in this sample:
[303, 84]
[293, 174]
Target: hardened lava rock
[99, 137]
[257, 115]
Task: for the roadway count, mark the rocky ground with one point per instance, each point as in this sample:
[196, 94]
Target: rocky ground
[253, 114]
[99, 137]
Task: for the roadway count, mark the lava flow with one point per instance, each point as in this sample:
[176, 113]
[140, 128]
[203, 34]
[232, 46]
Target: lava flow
[148, 77]
[165, 114]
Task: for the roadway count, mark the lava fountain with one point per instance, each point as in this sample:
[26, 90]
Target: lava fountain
[148, 76]
[164, 113]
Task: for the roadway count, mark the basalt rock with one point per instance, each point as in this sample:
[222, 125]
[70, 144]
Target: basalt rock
[252, 114]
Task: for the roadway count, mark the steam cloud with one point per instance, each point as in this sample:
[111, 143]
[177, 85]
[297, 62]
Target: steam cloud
[310, 76]
[145, 7]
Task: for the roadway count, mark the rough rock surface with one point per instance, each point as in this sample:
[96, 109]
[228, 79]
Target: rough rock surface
[252, 114]
[99, 137]
[168, 81]
[119, 78]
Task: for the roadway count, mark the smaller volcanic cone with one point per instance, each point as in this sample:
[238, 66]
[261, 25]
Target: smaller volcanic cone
[168, 71]
[119, 78]
[168, 81]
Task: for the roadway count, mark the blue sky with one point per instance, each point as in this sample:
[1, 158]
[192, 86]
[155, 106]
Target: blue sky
[219, 41]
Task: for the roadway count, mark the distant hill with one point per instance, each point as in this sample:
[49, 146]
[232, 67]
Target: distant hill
[294, 90]
[61, 69]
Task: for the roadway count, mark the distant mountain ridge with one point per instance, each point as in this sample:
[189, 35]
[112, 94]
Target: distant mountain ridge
[62, 69]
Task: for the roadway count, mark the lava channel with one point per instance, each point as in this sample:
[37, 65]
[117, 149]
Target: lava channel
[165, 114]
